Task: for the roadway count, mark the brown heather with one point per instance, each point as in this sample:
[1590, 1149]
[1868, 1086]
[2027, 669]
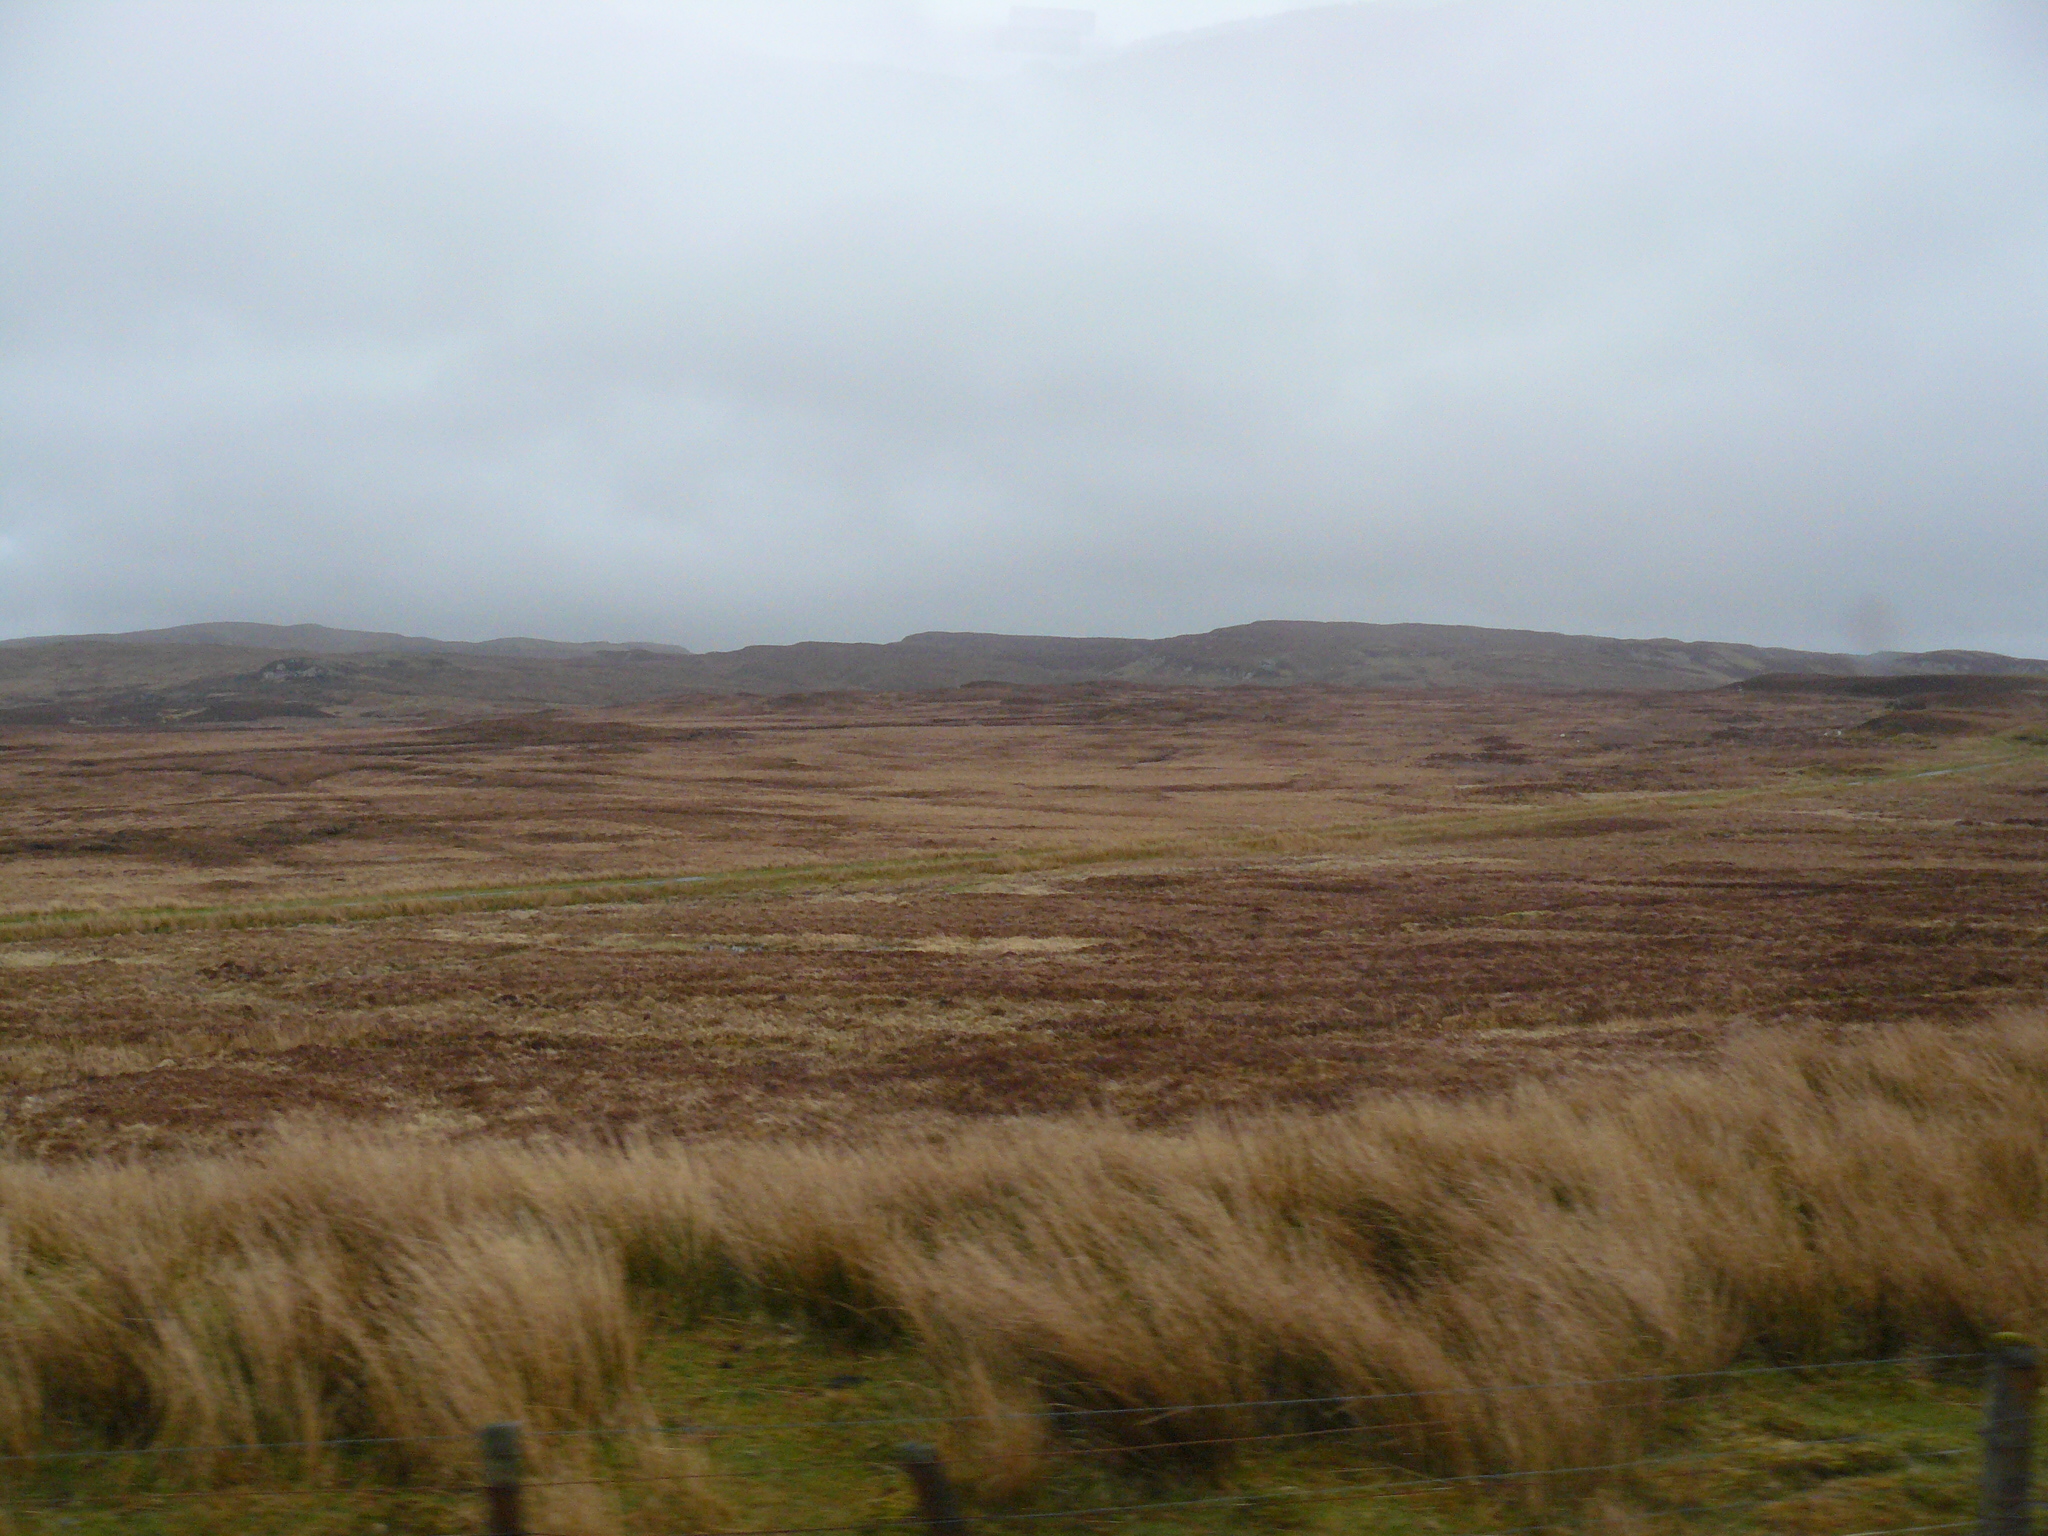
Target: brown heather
[1807, 1197]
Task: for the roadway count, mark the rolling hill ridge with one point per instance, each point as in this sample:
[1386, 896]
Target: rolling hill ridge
[222, 673]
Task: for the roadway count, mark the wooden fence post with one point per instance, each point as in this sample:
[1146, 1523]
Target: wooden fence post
[938, 1505]
[2012, 1381]
[501, 1480]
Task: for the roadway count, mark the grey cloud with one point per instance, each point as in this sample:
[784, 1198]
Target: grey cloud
[1720, 321]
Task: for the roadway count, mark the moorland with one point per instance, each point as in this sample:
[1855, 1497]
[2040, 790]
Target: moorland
[986, 1048]
[848, 912]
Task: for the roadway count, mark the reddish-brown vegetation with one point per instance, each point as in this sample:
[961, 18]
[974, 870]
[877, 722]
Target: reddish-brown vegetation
[1160, 902]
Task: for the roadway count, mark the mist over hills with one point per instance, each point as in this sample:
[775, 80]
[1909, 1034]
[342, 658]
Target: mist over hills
[1732, 318]
[203, 674]
[319, 640]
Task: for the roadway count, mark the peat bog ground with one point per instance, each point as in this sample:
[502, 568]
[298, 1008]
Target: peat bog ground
[794, 1063]
[921, 909]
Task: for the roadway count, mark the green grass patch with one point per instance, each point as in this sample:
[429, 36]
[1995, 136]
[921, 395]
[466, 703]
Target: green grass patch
[790, 1429]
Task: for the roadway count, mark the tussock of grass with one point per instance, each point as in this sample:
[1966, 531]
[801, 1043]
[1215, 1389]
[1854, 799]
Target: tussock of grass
[1804, 1200]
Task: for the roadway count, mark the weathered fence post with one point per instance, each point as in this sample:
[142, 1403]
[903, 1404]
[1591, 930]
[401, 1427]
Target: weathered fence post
[937, 1503]
[501, 1480]
[2012, 1381]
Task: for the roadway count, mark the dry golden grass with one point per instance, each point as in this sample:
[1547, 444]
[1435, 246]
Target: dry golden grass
[490, 1154]
[250, 826]
[1804, 1198]
[922, 909]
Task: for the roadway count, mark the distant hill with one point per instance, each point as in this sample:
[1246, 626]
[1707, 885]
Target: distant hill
[220, 673]
[319, 640]
[1280, 651]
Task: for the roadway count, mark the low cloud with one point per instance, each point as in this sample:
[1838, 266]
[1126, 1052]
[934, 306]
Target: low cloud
[610, 321]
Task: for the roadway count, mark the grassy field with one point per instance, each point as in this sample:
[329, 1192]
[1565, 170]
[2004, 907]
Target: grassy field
[860, 915]
[1017, 1053]
[1804, 1200]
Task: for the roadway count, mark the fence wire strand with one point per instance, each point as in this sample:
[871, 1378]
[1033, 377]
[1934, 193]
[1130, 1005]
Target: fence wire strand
[1056, 1414]
[1364, 1492]
[1062, 1414]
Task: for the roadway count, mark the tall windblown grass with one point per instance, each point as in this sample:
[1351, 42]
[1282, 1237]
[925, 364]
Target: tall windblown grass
[1805, 1199]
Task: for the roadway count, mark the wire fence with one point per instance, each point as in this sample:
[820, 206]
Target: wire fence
[1056, 1415]
[1373, 1479]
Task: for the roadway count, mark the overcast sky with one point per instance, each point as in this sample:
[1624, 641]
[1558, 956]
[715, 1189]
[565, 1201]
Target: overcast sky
[723, 323]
